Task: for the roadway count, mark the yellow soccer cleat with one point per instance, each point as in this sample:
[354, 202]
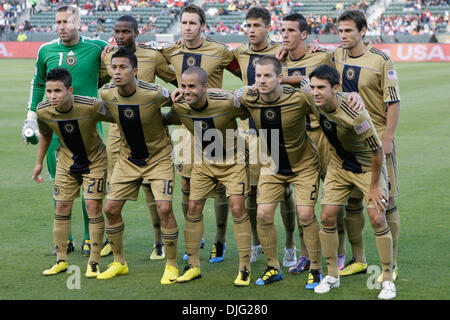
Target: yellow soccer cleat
[114, 269]
[353, 267]
[170, 275]
[158, 252]
[92, 270]
[106, 250]
[189, 273]
[394, 274]
[86, 248]
[243, 278]
[59, 266]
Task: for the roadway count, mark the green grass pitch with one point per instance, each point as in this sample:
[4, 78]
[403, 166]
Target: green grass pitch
[26, 212]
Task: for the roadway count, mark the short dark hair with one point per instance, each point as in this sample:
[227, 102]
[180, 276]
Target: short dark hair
[273, 61]
[256, 12]
[60, 74]
[73, 10]
[131, 20]
[302, 24]
[125, 53]
[202, 75]
[355, 15]
[192, 8]
[326, 72]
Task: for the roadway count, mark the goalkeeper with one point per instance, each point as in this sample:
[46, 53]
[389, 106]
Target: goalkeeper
[81, 56]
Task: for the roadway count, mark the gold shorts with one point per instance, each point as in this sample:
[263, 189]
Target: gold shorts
[392, 176]
[67, 185]
[128, 177]
[323, 146]
[205, 178]
[339, 185]
[272, 187]
[112, 148]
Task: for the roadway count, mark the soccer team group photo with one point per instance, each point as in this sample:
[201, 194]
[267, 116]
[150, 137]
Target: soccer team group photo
[273, 166]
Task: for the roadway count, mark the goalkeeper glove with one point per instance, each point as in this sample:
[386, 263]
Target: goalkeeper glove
[30, 130]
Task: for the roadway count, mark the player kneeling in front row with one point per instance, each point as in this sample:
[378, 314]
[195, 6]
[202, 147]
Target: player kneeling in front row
[81, 161]
[145, 159]
[208, 114]
[357, 161]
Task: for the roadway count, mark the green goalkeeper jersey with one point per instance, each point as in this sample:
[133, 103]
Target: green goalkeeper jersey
[81, 60]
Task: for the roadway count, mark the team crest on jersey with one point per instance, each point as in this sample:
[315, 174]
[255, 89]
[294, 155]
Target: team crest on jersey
[180, 167]
[128, 113]
[270, 114]
[327, 124]
[205, 125]
[350, 74]
[69, 128]
[71, 60]
[55, 190]
[190, 61]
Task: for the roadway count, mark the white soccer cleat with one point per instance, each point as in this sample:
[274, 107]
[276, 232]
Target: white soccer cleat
[388, 291]
[327, 284]
[290, 257]
[256, 251]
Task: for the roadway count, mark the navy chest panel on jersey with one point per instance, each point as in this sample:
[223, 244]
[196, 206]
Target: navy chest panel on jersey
[271, 120]
[206, 124]
[191, 60]
[350, 78]
[130, 122]
[251, 75]
[70, 131]
[349, 161]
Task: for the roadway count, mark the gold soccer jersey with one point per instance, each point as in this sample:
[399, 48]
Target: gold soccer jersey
[220, 113]
[211, 56]
[373, 76]
[246, 57]
[151, 63]
[303, 67]
[144, 139]
[82, 149]
[282, 125]
[215, 127]
[351, 133]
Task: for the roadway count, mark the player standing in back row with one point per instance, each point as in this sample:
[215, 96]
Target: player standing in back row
[371, 73]
[213, 57]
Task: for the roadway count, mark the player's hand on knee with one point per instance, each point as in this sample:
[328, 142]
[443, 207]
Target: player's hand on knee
[37, 173]
[30, 130]
[355, 101]
[378, 198]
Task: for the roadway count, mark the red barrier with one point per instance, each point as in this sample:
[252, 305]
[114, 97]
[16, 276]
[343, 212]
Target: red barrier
[412, 52]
